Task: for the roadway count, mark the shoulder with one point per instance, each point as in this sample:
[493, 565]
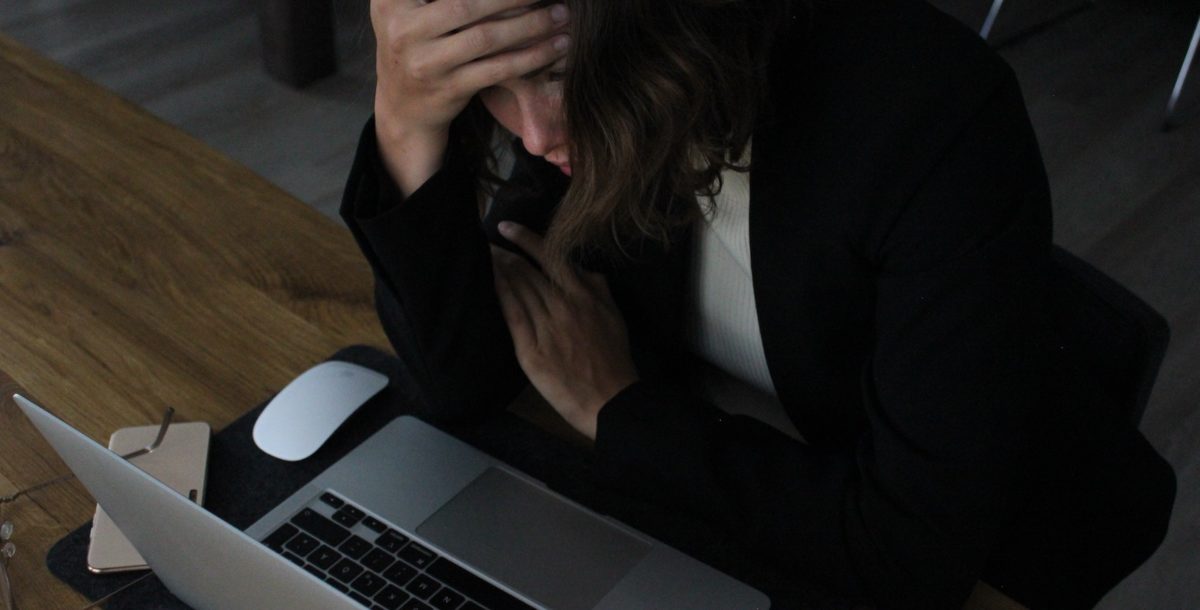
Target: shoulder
[877, 90]
[892, 63]
[869, 99]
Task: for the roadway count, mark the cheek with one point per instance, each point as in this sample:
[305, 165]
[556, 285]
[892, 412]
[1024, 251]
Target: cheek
[502, 105]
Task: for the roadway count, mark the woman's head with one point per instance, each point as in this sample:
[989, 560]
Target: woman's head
[530, 107]
[654, 99]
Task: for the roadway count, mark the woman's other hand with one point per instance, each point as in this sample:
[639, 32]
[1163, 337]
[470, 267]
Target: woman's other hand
[432, 57]
[570, 338]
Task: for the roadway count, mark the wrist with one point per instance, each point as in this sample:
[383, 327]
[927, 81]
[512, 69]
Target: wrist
[590, 415]
[412, 155]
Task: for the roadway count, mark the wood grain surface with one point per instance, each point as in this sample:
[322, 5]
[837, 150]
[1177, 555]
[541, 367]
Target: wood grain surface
[139, 268]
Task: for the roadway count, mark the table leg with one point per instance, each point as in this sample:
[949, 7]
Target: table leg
[297, 39]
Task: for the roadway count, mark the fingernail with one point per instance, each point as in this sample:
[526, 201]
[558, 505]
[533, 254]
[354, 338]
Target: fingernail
[559, 13]
[562, 42]
[507, 228]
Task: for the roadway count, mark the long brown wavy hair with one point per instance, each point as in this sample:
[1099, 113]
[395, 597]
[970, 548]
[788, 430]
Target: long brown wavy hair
[660, 97]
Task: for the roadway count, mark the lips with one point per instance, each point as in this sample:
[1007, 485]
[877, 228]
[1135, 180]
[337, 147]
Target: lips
[559, 159]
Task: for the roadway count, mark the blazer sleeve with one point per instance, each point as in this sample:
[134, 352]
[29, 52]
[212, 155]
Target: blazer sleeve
[433, 285]
[906, 515]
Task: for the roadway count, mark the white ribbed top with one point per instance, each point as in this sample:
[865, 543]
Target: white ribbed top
[722, 322]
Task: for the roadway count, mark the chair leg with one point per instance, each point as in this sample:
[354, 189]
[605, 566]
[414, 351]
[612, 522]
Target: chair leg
[986, 30]
[1173, 103]
[298, 39]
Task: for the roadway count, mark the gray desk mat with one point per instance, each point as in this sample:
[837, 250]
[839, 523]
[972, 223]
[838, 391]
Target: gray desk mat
[244, 483]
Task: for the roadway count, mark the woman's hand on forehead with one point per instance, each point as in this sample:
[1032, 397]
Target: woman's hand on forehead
[454, 16]
[433, 57]
[512, 13]
[476, 42]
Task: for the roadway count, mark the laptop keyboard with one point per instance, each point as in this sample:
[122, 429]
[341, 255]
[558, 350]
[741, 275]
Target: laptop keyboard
[377, 565]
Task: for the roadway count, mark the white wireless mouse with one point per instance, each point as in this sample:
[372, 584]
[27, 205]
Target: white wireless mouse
[314, 405]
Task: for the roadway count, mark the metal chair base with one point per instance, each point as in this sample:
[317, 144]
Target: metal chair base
[1181, 81]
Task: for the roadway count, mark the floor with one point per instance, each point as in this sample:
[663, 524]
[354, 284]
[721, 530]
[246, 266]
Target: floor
[196, 64]
[1127, 195]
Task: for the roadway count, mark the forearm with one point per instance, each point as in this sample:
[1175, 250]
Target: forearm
[772, 496]
[410, 155]
[433, 293]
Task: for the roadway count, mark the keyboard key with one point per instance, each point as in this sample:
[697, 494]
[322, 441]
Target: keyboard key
[472, 606]
[415, 605]
[315, 571]
[355, 547]
[324, 557]
[280, 536]
[332, 500]
[392, 541]
[478, 589]
[400, 573]
[302, 544]
[391, 597]
[374, 525]
[337, 585]
[377, 560]
[292, 558]
[447, 599]
[348, 516]
[423, 587]
[358, 597]
[417, 555]
[368, 584]
[316, 524]
[346, 570]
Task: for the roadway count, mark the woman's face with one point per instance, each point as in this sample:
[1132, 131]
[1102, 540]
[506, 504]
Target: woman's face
[531, 108]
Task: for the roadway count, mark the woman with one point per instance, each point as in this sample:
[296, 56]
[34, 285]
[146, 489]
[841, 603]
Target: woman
[839, 207]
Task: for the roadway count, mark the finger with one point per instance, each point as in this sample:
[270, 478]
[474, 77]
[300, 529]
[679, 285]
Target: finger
[445, 16]
[483, 73]
[492, 37]
[597, 283]
[516, 317]
[534, 245]
[520, 235]
[526, 284]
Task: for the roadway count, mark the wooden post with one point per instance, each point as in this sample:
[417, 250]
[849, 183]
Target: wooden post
[297, 40]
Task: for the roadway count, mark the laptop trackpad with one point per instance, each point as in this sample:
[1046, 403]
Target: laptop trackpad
[539, 545]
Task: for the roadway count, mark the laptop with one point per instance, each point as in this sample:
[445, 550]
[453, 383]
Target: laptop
[411, 519]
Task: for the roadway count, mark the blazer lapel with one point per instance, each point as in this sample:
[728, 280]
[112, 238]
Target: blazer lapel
[812, 296]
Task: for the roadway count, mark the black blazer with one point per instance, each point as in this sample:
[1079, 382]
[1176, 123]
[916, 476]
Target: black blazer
[900, 235]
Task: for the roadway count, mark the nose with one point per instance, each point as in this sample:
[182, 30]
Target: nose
[541, 129]
[536, 142]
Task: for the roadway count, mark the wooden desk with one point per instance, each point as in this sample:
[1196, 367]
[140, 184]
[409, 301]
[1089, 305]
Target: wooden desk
[139, 268]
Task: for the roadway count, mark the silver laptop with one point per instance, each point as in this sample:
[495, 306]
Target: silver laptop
[412, 519]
